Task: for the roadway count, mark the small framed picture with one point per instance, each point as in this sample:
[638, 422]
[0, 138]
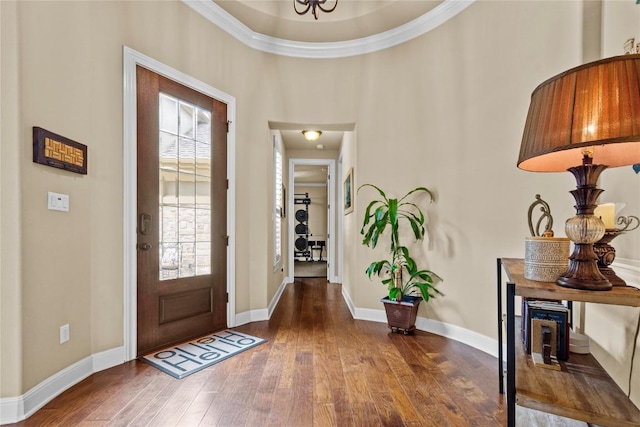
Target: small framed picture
[59, 152]
[348, 192]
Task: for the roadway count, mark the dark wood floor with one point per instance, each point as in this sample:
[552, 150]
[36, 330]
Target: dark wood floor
[319, 368]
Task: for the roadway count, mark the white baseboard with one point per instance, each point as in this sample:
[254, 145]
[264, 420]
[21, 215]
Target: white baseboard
[11, 410]
[276, 297]
[108, 359]
[347, 299]
[15, 409]
[264, 313]
[252, 316]
[457, 333]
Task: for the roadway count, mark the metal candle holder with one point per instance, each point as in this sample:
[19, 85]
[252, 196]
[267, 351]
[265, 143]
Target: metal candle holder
[607, 254]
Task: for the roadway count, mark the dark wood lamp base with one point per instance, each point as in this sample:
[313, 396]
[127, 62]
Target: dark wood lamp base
[584, 230]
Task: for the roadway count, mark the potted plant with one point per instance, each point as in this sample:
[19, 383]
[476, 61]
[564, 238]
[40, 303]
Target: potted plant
[407, 283]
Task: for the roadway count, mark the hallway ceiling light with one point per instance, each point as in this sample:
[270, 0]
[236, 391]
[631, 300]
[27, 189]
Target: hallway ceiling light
[312, 4]
[311, 135]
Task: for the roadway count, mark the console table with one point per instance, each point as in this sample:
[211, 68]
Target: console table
[582, 390]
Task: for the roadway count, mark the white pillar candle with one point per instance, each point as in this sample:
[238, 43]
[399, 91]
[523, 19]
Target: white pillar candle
[607, 213]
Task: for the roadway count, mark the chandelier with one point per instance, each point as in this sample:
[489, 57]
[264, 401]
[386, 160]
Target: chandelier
[313, 5]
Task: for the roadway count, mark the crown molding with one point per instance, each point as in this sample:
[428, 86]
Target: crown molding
[327, 50]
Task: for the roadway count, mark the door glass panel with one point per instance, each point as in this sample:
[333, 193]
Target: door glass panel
[168, 115]
[202, 169]
[185, 189]
[203, 255]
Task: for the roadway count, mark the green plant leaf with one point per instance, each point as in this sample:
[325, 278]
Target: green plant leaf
[367, 214]
[367, 237]
[425, 189]
[395, 294]
[384, 196]
[382, 213]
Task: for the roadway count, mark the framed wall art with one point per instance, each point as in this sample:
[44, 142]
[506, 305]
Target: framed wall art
[54, 150]
[347, 191]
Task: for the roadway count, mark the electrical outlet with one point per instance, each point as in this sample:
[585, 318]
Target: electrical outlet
[64, 333]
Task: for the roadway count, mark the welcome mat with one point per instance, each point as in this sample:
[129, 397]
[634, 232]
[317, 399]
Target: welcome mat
[185, 359]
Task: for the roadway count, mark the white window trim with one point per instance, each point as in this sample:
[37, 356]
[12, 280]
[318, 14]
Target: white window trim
[277, 203]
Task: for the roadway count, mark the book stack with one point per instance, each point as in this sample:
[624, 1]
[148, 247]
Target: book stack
[547, 311]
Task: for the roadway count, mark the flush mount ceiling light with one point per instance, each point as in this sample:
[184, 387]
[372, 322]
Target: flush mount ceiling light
[311, 135]
[313, 5]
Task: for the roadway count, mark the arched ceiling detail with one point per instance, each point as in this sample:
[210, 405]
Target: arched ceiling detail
[361, 27]
[350, 20]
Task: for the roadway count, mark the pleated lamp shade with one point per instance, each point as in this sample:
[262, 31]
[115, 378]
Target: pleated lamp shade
[596, 105]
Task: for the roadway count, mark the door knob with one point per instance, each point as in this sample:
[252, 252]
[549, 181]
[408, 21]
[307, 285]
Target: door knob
[144, 246]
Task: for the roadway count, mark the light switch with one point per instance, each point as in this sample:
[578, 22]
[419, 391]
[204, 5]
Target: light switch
[58, 202]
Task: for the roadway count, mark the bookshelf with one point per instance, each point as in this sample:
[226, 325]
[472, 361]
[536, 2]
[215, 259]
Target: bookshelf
[582, 390]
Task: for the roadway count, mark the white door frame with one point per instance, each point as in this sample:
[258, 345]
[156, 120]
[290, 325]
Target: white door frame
[340, 210]
[131, 59]
[331, 200]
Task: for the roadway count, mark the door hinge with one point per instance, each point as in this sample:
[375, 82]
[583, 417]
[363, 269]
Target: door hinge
[227, 296]
[228, 124]
[227, 184]
[227, 240]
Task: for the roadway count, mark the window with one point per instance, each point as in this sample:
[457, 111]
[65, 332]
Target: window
[184, 187]
[277, 204]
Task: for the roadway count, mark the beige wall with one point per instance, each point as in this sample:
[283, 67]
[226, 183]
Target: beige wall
[456, 129]
[10, 208]
[445, 110]
[351, 276]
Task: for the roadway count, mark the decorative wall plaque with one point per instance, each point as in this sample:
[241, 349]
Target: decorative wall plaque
[59, 152]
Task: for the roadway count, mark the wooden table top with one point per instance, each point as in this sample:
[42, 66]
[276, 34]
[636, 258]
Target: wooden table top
[618, 295]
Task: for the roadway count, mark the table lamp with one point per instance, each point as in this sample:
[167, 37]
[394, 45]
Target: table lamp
[585, 120]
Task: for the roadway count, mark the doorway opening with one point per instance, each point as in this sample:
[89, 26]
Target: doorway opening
[132, 59]
[311, 230]
[181, 206]
[312, 169]
[312, 223]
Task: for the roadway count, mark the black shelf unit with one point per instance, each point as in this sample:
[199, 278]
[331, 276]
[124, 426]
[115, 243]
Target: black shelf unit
[301, 243]
[557, 392]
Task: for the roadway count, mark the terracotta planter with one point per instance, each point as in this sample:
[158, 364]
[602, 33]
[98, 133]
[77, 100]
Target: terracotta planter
[401, 316]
